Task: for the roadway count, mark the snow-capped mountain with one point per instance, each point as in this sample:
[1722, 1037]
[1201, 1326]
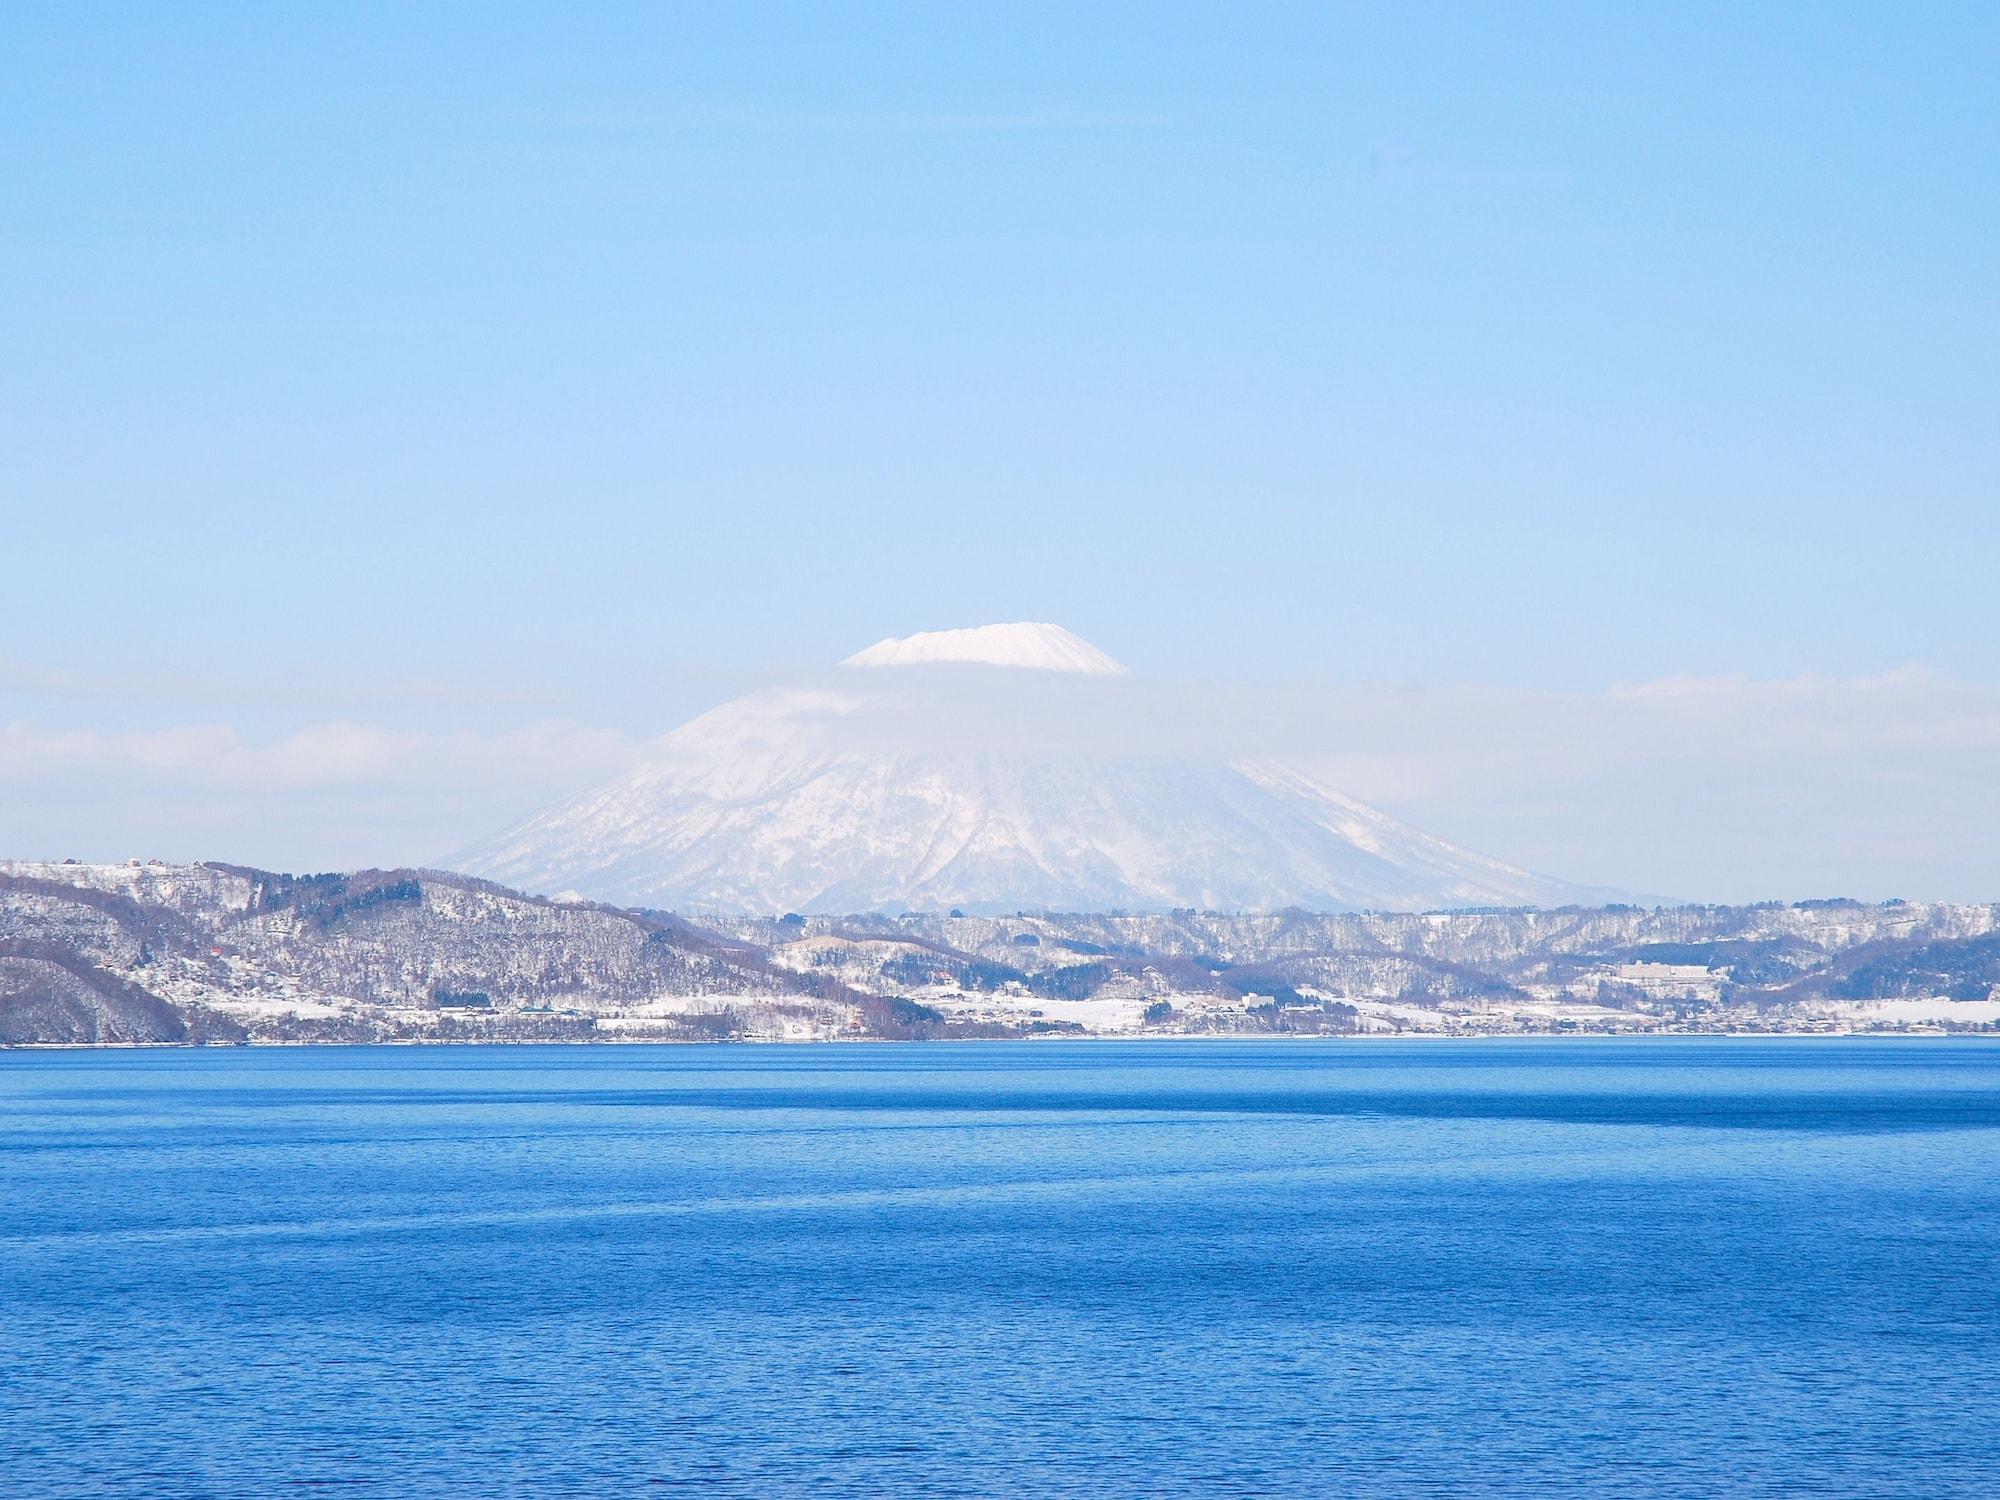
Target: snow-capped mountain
[1047, 648]
[852, 793]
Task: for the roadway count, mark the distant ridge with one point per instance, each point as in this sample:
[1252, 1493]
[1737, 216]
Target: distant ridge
[873, 791]
[96, 953]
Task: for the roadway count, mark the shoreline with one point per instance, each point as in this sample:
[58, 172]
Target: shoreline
[1282, 1038]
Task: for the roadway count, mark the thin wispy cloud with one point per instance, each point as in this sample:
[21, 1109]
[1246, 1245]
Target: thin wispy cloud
[27, 680]
[316, 758]
[1034, 118]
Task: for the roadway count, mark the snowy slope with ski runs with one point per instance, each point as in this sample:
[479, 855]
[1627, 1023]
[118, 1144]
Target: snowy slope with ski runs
[775, 803]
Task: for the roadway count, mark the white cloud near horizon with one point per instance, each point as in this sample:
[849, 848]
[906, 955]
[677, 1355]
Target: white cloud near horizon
[339, 795]
[1726, 788]
[341, 753]
[28, 680]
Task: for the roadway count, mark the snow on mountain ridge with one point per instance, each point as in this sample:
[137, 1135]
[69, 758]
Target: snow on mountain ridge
[888, 791]
[1024, 643]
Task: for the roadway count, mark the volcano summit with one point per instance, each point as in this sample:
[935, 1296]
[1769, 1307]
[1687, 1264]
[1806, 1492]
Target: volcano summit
[936, 771]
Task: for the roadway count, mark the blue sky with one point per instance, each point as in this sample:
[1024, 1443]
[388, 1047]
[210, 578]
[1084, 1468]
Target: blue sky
[454, 370]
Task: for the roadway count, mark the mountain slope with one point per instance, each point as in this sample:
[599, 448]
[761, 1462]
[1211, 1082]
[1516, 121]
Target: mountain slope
[219, 953]
[870, 792]
[180, 952]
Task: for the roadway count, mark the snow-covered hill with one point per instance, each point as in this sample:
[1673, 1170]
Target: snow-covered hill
[215, 953]
[162, 953]
[875, 790]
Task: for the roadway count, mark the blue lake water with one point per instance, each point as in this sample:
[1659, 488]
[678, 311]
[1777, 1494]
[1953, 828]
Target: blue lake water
[1672, 1267]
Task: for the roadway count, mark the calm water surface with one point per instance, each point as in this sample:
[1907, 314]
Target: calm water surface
[1695, 1267]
